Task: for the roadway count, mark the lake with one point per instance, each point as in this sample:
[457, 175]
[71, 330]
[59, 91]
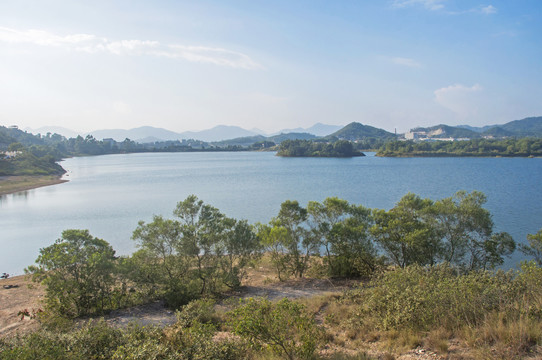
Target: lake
[109, 194]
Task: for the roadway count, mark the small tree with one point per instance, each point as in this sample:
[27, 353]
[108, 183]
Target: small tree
[77, 271]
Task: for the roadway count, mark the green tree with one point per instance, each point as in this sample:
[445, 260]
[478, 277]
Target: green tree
[534, 248]
[404, 233]
[77, 271]
[466, 231]
[343, 231]
[299, 241]
[162, 260]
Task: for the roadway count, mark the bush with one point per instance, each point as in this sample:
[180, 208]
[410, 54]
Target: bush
[285, 327]
[419, 298]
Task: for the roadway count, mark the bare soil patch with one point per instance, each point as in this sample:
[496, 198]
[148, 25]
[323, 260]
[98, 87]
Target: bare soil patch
[15, 296]
[14, 184]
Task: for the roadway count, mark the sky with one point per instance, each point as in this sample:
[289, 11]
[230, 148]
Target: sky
[269, 65]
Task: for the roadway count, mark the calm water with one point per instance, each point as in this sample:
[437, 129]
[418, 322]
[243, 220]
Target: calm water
[109, 194]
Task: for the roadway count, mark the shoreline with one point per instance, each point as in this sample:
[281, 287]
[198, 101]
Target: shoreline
[20, 183]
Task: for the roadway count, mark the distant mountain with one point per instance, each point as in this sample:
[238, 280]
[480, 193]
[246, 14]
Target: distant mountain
[445, 131]
[277, 139]
[531, 126]
[137, 133]
[317, 129]
[67, 133]
[497, 131]
[356, 131]
[218, 133]
[475, 128]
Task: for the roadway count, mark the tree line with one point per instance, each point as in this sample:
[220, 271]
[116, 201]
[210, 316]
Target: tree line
[510, 147]
[202, 252]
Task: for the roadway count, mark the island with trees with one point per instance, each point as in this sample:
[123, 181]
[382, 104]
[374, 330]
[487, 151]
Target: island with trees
[313, 148]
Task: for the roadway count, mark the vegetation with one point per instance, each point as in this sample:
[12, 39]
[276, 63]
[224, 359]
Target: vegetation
[523, 147]
[428, 270]
[77, 271]
[285, 327]
[306, 148]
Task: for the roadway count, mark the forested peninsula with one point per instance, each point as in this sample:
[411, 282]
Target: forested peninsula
[510, 147]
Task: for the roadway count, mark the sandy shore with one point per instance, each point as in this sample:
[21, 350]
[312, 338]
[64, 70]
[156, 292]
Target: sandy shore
[14, 184]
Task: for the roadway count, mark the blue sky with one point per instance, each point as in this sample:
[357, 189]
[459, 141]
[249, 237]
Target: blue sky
[191, 65]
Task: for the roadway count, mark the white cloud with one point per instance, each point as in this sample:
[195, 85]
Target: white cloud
[40, 37]
[92, 44]
[490, 9]
[440, 5]
[428, 4]
[406, 62]
[460, 99]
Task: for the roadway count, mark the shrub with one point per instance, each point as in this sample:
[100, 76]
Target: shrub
[420, 297]
[285, 327]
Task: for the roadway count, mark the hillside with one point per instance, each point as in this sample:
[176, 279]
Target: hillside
[356, 131]
[531, 126]
[445, 131]
[528, 127]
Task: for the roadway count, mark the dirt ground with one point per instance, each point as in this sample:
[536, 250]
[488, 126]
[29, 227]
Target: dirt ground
[15, 296]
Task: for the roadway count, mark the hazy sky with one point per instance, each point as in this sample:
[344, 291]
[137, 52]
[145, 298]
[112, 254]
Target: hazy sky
[191, 65]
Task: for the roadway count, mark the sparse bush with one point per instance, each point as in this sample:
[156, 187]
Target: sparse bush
[285, 327]
[419, 298]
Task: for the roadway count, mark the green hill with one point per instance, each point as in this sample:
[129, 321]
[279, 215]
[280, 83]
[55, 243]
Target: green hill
[356, 131]
[531, 126]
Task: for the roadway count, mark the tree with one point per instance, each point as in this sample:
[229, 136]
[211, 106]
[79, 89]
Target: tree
[78, 273]
[534, 248]
[466, 232]
[162, 260]
[343, 230]
[299, 241]
[404, 233]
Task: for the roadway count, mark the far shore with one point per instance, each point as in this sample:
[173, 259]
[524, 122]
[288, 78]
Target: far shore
[14, 184]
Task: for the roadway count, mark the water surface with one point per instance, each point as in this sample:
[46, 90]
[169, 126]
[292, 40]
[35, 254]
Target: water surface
[109, 194]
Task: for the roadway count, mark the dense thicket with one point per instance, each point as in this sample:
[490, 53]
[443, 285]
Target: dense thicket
[510, 147]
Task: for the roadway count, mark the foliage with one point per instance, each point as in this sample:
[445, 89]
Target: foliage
[285, 327]
[419, 298]
[510, 147]
[199, 254]
[78, 271]
[404, 234]
[96, 340]
[534, 248]
[457, 230]
[308, 148]
[343, 231]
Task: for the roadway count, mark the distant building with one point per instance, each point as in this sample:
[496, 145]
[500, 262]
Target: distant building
[415, 135]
